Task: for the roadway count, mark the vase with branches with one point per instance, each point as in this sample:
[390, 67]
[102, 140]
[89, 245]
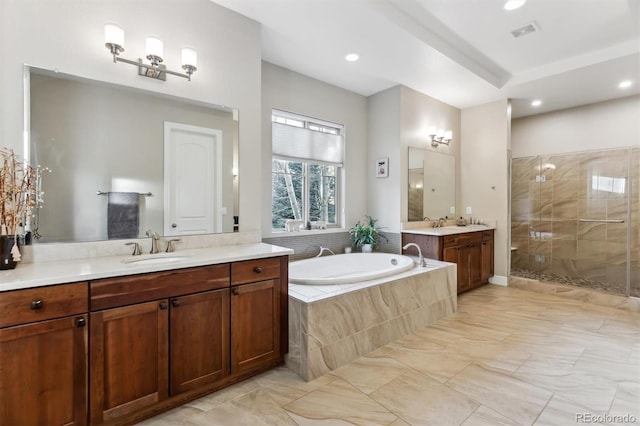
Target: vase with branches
[20, 195]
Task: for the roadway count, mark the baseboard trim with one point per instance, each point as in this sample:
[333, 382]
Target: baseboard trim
[499, 280]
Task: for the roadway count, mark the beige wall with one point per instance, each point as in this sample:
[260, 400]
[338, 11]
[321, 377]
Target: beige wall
[289, 91]
[603, 125]
[399, 118]
[484, 172]
[69, 35]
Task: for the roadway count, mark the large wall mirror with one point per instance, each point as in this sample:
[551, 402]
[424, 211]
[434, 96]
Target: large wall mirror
[432, 185]
[125, 160]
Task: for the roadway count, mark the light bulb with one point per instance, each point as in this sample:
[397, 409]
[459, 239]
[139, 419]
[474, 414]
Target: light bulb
[154, 47]
[113, 34]
[448, 135]
[189, 57]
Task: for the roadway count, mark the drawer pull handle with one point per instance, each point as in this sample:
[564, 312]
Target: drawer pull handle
[235, 291]
[163, 306]
[175, 303]
[81, 322]
[36, 304]
[257, 269]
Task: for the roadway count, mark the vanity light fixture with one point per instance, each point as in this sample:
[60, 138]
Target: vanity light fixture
[114, 41]
[440, 136]
[625, 84]
[536, 103]
[351, 57]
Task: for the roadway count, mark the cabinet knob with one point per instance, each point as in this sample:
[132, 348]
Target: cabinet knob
[235, 291]
[175, 303]
[36, 304]
[163, 306]
[257, 269]
[81, 322]
[174, 225]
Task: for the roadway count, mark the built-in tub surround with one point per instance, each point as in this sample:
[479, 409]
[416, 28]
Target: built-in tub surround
[331, 325]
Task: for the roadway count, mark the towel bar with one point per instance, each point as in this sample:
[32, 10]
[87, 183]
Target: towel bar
[146, 194]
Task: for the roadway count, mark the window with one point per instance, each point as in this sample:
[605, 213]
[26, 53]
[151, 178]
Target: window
[307, 162]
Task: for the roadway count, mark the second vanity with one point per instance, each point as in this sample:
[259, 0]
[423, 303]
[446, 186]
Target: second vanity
[103, 341]
[469, 247]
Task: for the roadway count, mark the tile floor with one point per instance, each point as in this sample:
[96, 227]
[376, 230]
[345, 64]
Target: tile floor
[508, 357]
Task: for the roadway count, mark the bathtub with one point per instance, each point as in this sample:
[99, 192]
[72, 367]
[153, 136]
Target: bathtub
[347, 268]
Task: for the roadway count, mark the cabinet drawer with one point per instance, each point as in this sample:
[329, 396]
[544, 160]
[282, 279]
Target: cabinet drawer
[255, 270]
[114, 292]
[42, 303]
[487, 235]
[462, 239]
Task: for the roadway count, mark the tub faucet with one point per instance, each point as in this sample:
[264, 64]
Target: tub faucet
[322, 250]
[421, 261]
[155, 237]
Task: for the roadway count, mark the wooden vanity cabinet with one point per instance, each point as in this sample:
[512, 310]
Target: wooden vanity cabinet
[255, 313]
[43, 355]
[161, 339]
[472, 252]
[141, 353]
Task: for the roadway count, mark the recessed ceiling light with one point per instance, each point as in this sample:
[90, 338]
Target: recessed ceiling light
[536, 103]
[352, 57]
[513, 4]
[625, 84]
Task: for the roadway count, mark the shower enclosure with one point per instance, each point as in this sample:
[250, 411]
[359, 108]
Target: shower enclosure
[575, 219]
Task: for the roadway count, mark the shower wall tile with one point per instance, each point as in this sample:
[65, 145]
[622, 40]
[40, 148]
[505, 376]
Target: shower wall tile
[521, 168]
[564, 249]
[521, 210]
[616, 253]
[520, 229]
[592, 208]
[594, 251]
[565, 230]
[592, 231]
[541, 190]
[617, 209]
[520, 190]
[617, 232]
[521, 243]
[565, 189]
[542, 209]
[565, 209]
[566, 166]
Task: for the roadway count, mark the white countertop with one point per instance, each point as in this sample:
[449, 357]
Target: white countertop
[448, 230]
[38, 274]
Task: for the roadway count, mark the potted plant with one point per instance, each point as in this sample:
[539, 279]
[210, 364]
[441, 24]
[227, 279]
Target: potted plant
[365, 234]
[19, 195]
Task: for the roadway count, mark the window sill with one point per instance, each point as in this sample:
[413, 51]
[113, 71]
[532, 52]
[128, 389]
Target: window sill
[283, 234]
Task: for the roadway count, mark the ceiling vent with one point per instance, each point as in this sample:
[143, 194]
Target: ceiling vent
[530, 28]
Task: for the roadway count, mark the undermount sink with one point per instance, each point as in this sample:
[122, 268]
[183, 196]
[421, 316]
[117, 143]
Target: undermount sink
[159, 259]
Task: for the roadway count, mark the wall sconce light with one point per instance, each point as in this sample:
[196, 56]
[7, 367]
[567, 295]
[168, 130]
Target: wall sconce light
[440, 136]
[114, 41]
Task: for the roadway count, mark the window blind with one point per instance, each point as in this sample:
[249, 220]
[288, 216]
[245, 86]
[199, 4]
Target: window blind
[303, 144]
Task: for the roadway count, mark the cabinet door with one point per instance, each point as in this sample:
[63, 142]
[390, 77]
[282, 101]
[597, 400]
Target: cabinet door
[43, 373]
[255, 320]
[475, 265]
[129, 359]
[487, 260]
[457, 255]
[199, 330]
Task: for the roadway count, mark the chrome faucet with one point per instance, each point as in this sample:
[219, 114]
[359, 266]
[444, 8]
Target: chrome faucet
[440, 222]
[322, 250]
[155, 237]
[421, 261]
[136, 248]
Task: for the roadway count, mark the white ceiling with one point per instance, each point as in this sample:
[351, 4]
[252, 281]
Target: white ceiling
[458, 51]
